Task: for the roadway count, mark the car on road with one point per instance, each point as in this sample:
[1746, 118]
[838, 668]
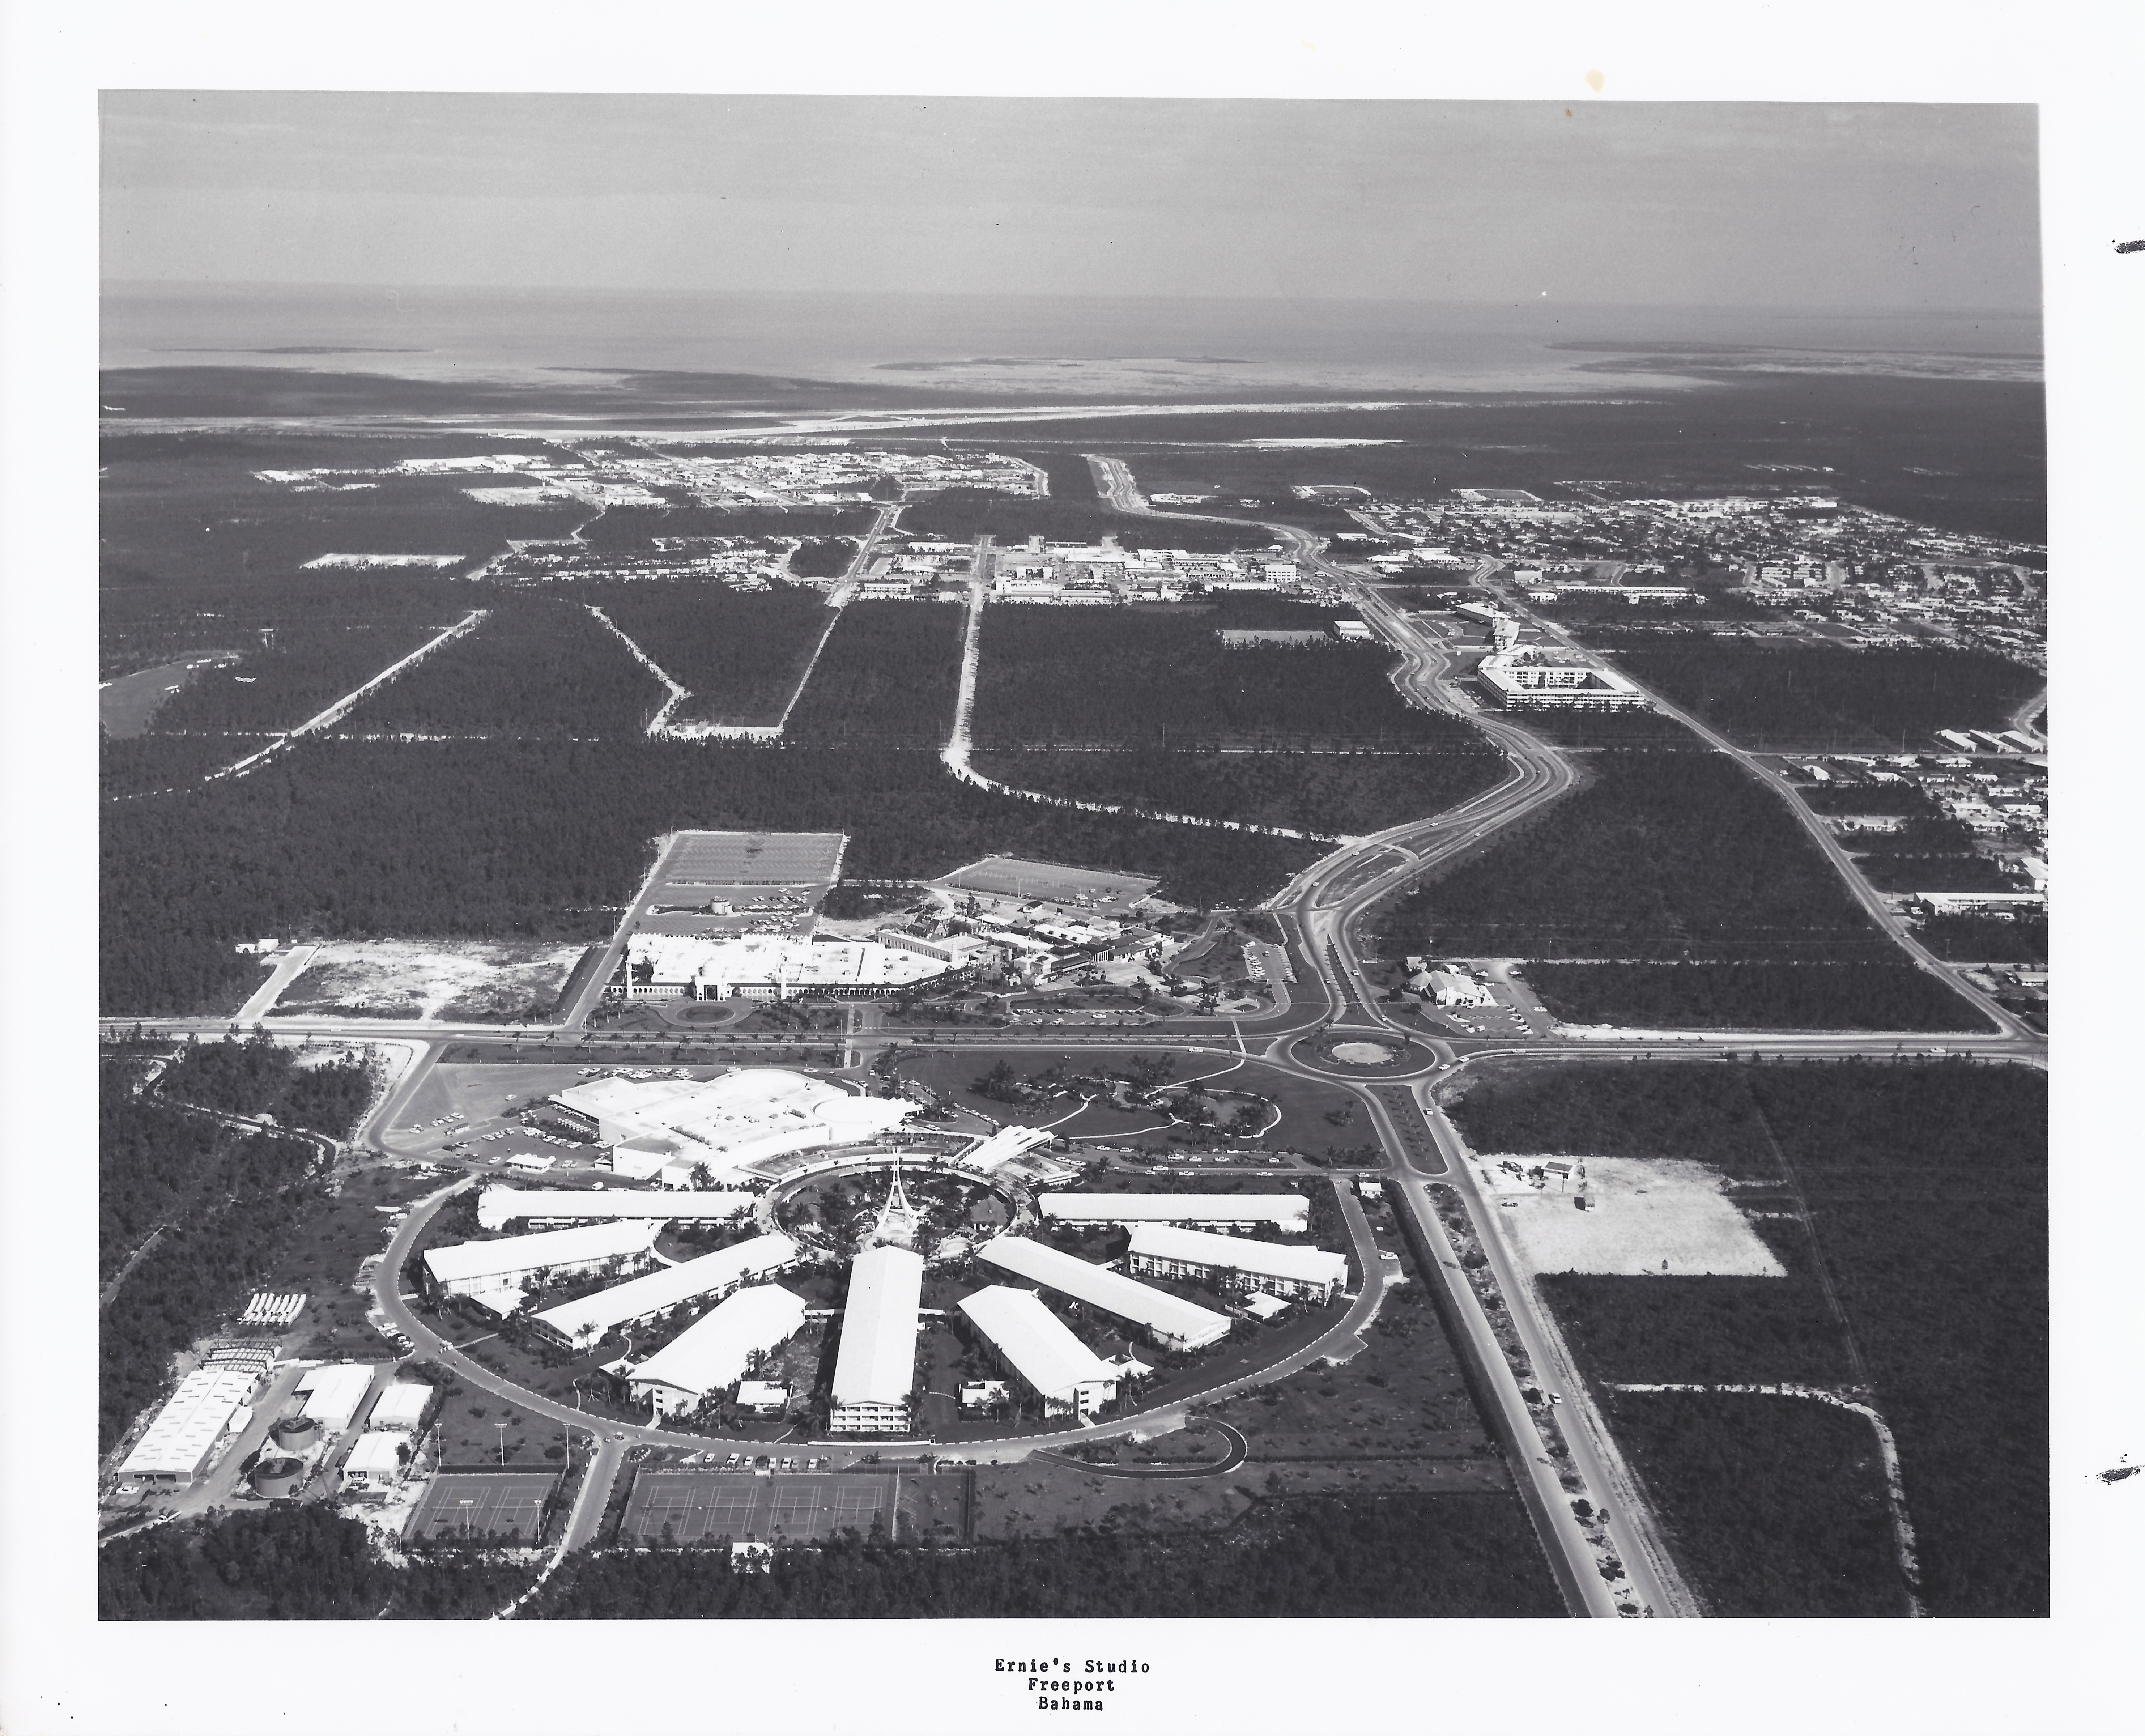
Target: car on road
[618, 1434]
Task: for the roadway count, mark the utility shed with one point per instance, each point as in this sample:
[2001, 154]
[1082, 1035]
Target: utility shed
[876, 1364]
[1171, 1321]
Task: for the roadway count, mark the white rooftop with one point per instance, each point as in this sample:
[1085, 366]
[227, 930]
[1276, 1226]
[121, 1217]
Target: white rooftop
[718, 961]
[1034, 1340]
[1284, 1210]
[468, 1262]
[712, 1352]
[877, 1362]
[382, 1452]
[333, 1393]
[192, 1420]
[1005, 1145]
[400, 1405]
[498, 1206]
[1239, 1253]
[1170, 1316]
[591, 1317]
[751, 1113]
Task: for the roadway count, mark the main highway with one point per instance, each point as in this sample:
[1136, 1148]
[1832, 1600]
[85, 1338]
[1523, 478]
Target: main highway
[1319, 911]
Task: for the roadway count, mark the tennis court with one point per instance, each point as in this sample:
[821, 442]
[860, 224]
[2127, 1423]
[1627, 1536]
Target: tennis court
[483, 1503]
[700, 1506]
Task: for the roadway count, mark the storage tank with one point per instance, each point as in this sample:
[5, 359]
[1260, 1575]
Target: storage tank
[294, 1433]
[277, 1480]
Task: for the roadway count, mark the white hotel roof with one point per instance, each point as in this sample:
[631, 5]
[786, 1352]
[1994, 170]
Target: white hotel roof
[1041, 1345]
[1238, 1253]
[770, 959]
[498, 1206]
[189, 1425]
[1285, 1211]
[1114, 1293]
[712, 1352]
[877, 1362]
[592, 1315]
[756, 1111]
[468, 1261]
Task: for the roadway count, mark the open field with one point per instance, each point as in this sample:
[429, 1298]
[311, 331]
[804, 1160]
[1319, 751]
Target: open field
[1924, 1188]
[1830, 697]
[1661, 855]
[547, 840]
[1756, 997]
[414, 979]
[1665, 1215]
[505, 1506]
[126, 705]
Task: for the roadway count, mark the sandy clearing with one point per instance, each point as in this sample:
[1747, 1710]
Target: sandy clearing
[1644, 1216]
[422, 979]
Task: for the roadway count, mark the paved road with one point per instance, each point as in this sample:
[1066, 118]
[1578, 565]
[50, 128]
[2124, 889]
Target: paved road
[1237, 1450]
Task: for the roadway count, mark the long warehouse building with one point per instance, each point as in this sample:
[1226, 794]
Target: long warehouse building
[176, 1447]
[1289, 1212]
[876, 1365]
[496, 1273]
[1168, 1320]
[496, 1207]
[1040, 1350]
[715, 1351]
[580, 1323]
[1235, 1262]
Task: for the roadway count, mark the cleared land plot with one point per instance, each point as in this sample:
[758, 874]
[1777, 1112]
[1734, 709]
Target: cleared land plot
[126, 705]
[740, 653]
[1126, 678]
[701, 1506]
[1831, 697]
[1663, 854]
[482, 1504]
[420, 979]
[1642, 1216]
[536, 666]
[889, 673]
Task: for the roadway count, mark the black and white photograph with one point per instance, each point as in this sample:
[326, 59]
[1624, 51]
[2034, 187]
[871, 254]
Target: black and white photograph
[1034, 872]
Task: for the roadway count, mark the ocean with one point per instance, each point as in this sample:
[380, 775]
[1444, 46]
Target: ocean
[1038, 347]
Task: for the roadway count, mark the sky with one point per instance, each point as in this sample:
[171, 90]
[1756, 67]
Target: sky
[1882, 206]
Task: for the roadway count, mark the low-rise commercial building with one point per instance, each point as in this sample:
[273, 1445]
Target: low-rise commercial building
[177, 1445]
[1290, 1212]
[1521, 681]
[333, 1393]
[497, 1273]
[715, 1350]
[769, 968]
[1162, 1251]
[1039, 1351]
[875, 1366]
[580, 1323]
[399, 1407]
[1165, 1320]
[376, 1463]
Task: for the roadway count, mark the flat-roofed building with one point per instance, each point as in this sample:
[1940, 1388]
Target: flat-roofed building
[1164, 1251]
[581, 1322]
[763, 1397]
[497, 1273]
[333, 1393]
[1522, 681]
[769, 968]
[726, 1123]
[715, 1351]
[176, 1448]
[1290, 1212]
[1168, 1320]
[376, 1463]
[399, 1407]
[875, 1367]
[1040, 1351]
[496, 1207]
[1004, 1146]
